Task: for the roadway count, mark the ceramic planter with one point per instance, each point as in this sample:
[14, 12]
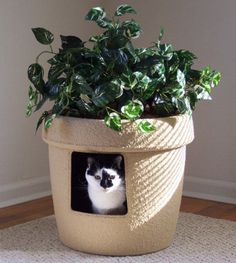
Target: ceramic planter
[154, 168]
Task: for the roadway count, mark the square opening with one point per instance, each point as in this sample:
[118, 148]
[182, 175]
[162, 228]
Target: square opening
[98, 183]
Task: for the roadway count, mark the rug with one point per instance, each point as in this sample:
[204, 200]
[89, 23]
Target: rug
[198, 239]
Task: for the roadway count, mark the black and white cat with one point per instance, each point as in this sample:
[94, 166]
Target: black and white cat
[106, 186]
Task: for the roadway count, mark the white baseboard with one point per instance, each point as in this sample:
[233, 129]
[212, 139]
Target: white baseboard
[215, 190]
[33, 188]
[25, 190]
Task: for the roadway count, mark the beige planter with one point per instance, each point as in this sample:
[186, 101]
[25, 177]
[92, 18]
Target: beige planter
[154, 168]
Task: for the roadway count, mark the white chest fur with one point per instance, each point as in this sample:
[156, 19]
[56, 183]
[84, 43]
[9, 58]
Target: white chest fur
[103, 201]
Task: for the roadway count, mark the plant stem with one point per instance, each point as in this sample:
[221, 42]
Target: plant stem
[120, 113]
[51, 48]
[44, 52]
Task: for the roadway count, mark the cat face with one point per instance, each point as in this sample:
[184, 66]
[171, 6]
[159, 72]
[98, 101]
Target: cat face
[102, 178]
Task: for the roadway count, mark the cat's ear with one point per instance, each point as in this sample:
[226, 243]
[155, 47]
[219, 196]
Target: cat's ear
[117, 162]
[91, 162]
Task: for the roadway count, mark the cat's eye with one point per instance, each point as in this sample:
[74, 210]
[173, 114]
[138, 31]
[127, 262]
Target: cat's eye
[112, 177]
[97, 177]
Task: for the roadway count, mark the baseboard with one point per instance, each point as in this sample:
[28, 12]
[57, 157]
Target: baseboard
[25, 190]
[215, 190]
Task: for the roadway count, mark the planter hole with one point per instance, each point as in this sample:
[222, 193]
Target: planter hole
[98, 183]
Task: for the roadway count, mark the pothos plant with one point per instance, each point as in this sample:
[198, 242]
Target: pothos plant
[108, 78]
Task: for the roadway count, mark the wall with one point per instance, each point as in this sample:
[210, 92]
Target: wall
[206, 27]
[24, 171]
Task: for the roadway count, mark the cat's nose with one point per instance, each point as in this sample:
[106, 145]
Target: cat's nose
[106, 183]
[103, 184]
[109, 183]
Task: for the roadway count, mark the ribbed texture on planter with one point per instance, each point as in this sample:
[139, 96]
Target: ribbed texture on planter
[154, 168]
[90, 134]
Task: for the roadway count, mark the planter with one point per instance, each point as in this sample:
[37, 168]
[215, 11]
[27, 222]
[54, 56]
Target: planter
[154, 168]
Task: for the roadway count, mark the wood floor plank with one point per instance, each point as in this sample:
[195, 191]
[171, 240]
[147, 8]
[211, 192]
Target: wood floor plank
[21, 213]
[42, 207]
[194, 205]
[217, 210]
[230, 214]
[34, 205]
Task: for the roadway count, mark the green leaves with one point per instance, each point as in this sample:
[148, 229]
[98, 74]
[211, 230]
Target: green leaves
[176, 87]
[131, 28]
[98, 15]
[124, 9]
[216, 77]
[58, 67]
[142, 79]
[52, 90]
[116, 41]
[114, 56]
[165, 51]
[29, 109]
[182, 105]
[185, 57]
[49, 120]
[161, 34]
[41, 119]
[201, 93]
[55, 71]
[43, 36]
[33, 100]
[41, 102]
[104, 23]
[113, 121]
[110, 79]
[35, 75]
[145, 126]
[80, 85]
[85, 109]
[181, 78]
[150, 89]
[209, 78]
[133, 109]
[129, 79]
[163, 106]
[174, 90]
[106, 93]
[68, 42]
[95, 14]
[141, 85]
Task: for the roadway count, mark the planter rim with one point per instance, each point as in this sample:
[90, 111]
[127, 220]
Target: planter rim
[122, 120]
[83, 134]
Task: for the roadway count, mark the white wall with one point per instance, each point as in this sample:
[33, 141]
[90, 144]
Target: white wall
[206, 27]
[23, 156]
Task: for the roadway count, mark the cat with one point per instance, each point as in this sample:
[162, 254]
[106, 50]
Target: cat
[106, 186]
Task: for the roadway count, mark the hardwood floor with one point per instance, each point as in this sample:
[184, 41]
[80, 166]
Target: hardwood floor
[209, 208]
[24, 212]
[42, 207]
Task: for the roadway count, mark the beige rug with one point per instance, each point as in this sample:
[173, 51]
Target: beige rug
[198, 239]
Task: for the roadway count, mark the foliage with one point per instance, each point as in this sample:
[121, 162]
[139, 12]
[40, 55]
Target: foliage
[114, 80]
